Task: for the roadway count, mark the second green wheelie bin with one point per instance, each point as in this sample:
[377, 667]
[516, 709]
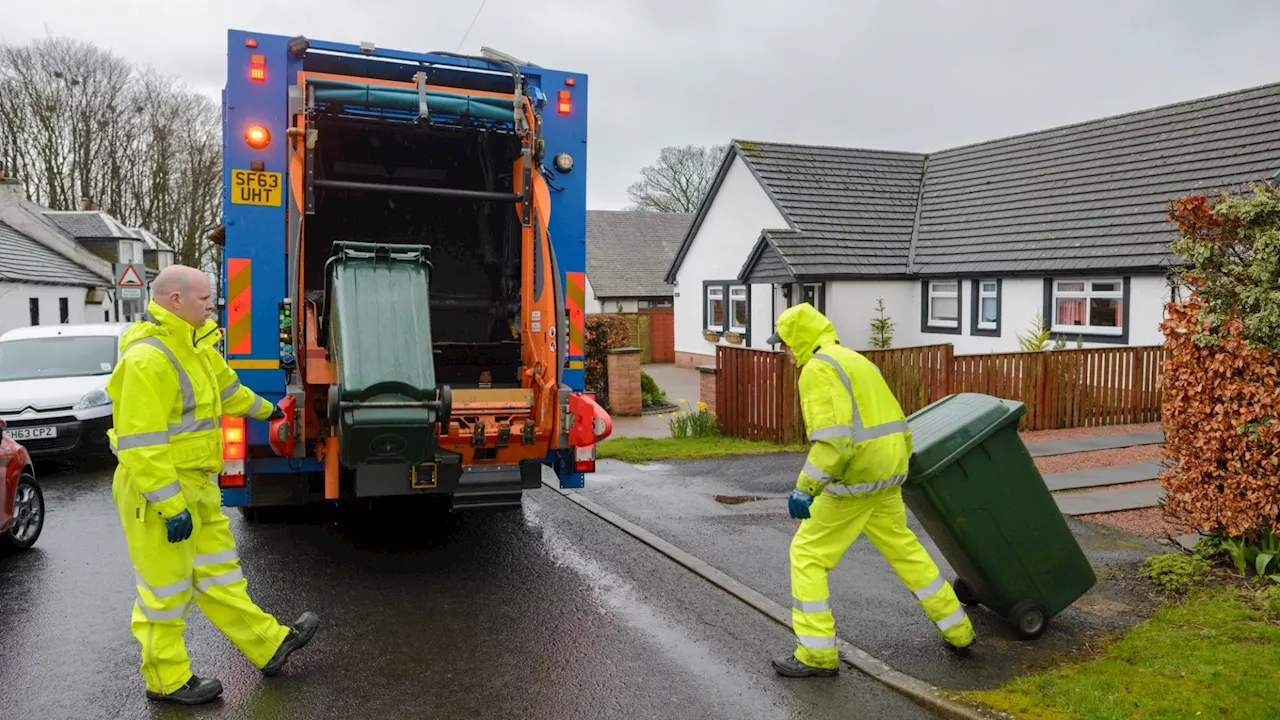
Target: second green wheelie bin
[978, 493]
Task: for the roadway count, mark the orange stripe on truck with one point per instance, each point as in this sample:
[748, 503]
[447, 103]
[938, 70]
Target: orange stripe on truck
[239, 306]
[575, 295]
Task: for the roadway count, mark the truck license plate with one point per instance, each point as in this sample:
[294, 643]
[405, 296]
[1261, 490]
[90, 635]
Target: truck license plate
[32, 433]
[255, 187]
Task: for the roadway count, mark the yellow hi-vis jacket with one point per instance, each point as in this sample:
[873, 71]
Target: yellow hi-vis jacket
[861, 442]
[169, 392]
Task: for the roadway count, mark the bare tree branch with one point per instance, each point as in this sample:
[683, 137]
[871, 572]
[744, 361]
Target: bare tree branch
[678, 181]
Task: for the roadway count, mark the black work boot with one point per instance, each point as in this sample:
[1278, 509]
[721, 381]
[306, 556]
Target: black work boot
[197, 691]
[304, 628]
[791, 667]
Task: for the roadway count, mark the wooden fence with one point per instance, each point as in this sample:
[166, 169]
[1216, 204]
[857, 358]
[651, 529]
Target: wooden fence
[756, 396]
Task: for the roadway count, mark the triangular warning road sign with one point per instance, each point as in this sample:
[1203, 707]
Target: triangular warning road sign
[130, 278]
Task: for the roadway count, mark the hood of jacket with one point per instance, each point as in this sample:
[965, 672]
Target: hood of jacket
[805, 331]
[158, 322]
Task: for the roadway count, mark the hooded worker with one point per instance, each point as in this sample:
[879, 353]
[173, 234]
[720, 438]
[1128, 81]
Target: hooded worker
[169, 393]
[851, 483]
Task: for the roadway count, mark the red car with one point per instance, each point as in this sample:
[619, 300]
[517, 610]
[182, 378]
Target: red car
[21, 502]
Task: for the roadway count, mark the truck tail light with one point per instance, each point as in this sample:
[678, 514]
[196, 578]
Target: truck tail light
[233, 440]
[584, 459]
[257, 68]
[231, 481]
[566, 102]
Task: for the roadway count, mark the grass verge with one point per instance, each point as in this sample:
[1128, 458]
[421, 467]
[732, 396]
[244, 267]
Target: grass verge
[643, 450]
[1216, 653]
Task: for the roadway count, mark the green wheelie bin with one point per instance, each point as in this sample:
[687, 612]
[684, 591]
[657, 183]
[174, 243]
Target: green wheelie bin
[978, 493]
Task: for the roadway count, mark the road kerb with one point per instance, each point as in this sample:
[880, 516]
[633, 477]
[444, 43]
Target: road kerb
[943, 702]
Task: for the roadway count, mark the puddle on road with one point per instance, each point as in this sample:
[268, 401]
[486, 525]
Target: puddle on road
[729, 684]
[739, 499]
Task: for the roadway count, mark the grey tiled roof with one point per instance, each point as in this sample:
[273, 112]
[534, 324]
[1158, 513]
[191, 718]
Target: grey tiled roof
[627, 252]
[86, 224]
[1090, 196]
[765, 264]
[25, 260]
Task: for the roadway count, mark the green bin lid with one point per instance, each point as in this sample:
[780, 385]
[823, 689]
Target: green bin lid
[944, 431]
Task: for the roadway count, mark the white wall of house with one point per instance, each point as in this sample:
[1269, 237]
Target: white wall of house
[733, 223]
[616, 305]
[15, 305]
[851, 306]
[590, 303]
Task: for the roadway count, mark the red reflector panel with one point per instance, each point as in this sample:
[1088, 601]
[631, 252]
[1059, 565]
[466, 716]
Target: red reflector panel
[566, 102]
[231, 481]
[584, 459]
[233, 451]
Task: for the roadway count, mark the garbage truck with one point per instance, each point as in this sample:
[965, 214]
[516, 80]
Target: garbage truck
[403, 272]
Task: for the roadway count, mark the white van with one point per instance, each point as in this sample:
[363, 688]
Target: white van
[52, 387]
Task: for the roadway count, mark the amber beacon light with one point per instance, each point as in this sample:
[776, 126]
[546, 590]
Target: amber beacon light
[257, 137]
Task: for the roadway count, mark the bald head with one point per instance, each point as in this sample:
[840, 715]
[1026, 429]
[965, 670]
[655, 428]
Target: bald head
[183, 291]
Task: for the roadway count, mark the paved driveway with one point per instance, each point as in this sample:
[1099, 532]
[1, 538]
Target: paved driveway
[749, 541]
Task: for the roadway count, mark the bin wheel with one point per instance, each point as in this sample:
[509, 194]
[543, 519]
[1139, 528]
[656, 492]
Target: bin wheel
[1028, 619]
[964, 592]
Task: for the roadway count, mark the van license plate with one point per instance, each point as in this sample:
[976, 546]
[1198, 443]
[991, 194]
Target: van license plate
[32, 433]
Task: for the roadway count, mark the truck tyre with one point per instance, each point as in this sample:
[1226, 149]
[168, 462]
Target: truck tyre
[1028, 619]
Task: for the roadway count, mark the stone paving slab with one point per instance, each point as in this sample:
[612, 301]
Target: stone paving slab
[1096, 442]
[1113, 500]
[1101, 477]
[1188, 542]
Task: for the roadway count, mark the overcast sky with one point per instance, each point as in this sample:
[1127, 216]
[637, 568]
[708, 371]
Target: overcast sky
[916, 75]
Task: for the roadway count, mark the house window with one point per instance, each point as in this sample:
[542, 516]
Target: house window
[64, 311]
[665, 304]
[1091, 307]
[738, 308]
[815, 295]
[986, 308]
[715, 307]
[34, 305]
[644, 304]
[942, 306]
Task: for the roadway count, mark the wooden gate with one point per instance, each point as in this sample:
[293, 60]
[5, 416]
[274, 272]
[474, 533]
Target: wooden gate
[662, 336]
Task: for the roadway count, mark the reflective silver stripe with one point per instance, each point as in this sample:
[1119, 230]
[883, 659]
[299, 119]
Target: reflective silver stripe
[811, 606]
[832, 431]
[163, 493]
[258, 404]
[951, 620]
[225, 578]
[860, 488]
[929, 590]
[216, 558]
[817, 642]
[855, 429]
[230, 390]
[193, 425]
[161, 615]
[813, 472]
[163, 591]
[141, 440]
[184, 381]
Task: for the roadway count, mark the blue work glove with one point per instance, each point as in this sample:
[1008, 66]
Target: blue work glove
[798, 504]
[179, 526]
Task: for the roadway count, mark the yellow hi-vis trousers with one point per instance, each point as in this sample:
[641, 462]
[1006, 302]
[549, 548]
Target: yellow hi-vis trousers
[834, 523]
[168, 576]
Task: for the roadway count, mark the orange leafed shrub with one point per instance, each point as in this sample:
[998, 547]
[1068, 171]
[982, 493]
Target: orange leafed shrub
[1221, 385]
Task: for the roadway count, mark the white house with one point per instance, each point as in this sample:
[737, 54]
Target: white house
[45, 277]
[968, 245]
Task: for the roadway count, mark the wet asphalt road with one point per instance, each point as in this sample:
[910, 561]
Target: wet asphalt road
[749, 541]
[543, 613]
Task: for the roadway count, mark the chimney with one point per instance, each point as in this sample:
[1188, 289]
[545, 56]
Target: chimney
[8, 184]
[84, 203]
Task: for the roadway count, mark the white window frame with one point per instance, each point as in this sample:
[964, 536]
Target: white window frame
[1088, 294]
[984, 295]
[716, 292]
[738, 294]
[934, 321]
